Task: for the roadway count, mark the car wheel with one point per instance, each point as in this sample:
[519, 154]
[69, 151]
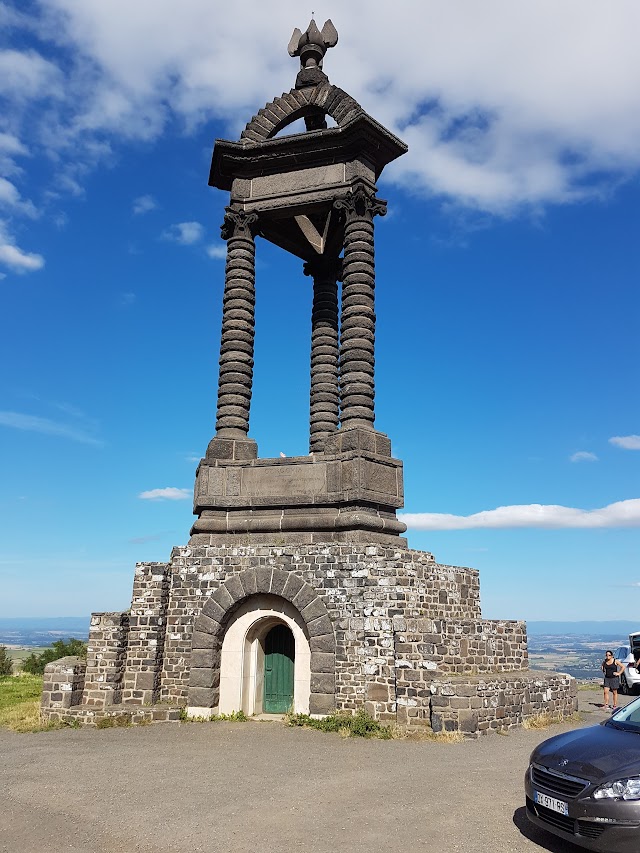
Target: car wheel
[624, 687]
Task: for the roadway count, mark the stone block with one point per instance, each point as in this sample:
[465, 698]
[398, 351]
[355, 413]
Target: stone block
[263, 579]
[203, 697]
[145, 680]
[213, 610]
[322, 682]
[203, 640]
[235, 588]
[222, 597]
[278, 581]
[201, 677]
[468, 721]
[293, 586]
[248, 580]
[305, 595]
[319, 626]
[204, 658]
[206, 625]
[322, 703]
[313, 610]
[322, 643]
[378, 692]
[323, 662]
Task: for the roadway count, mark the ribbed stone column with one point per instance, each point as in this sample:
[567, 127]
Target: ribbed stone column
[238, 326]
[324, 398]
[358, 319]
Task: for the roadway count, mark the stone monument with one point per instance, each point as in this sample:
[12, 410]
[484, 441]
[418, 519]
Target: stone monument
[296, 590]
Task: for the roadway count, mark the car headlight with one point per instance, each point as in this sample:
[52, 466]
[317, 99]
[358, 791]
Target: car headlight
[621, 789]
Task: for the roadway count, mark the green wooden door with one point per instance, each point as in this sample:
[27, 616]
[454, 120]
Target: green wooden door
[278, 670]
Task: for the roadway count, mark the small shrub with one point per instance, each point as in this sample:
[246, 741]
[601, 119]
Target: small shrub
[347, 725]
[6, 664]
[35, 664]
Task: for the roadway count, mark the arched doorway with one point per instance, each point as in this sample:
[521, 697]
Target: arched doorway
[265, 665]
[279, 656]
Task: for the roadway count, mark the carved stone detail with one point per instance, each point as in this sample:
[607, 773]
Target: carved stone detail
[324, 398]
[238, 326]
[358, 319]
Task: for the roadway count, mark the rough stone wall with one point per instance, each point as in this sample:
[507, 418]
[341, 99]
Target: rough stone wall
[63, 684]
[147, 625]
[479, 704]
[459, 646]
[371, 584]
[410, 643]
[106, 657]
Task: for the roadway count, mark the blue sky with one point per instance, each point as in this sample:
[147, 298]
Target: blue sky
[507, 301]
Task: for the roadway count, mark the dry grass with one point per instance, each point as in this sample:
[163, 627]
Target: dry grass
[432, 737]
[544, 720]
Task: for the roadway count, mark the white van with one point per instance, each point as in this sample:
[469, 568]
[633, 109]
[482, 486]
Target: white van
[628, 655]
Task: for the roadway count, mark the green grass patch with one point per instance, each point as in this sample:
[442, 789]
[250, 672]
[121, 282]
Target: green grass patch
[20, 704]
[15, 689]
[346, 725]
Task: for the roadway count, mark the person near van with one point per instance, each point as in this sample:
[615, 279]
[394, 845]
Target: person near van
[612, 670]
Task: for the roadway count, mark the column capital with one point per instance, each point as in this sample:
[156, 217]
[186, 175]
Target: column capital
[324, 267]
[362, 201]
[237, 223]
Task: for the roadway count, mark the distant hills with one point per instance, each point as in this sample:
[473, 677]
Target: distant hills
[42, 631]
[616, 628]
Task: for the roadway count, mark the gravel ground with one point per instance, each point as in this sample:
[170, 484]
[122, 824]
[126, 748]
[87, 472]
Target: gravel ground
[264, 788]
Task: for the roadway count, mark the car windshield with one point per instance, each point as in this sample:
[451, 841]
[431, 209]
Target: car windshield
[627, 718]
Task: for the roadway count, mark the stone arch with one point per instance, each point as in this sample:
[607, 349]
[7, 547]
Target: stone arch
[242, 663]
[297, 103]
[210, 626]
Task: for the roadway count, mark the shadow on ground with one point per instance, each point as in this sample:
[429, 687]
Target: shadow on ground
[544, 840]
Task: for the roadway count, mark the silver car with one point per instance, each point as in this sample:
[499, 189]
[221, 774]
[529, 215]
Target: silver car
[584, 785]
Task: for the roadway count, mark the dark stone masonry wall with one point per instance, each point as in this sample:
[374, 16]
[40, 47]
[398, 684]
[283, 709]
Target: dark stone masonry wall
[410, 643]
[372, 584]
[478, 705]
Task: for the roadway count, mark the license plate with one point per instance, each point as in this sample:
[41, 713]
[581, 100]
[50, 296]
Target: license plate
[551, 803]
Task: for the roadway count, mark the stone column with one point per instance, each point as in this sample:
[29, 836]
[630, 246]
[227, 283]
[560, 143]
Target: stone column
[106, 658]
[147, 630]
[358, 319]
[324, 398]
[238, 326]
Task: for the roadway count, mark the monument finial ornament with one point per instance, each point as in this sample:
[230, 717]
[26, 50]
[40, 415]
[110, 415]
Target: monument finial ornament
[311, 47]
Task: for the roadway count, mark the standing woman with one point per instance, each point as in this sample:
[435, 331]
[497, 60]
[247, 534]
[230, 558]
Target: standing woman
[612, 669]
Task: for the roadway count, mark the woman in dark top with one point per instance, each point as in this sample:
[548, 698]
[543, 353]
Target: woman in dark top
[612, 670]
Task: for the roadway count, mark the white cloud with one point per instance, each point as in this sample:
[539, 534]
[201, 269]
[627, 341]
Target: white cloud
[31, 423]
[217, 251]
[25, 75]
[185, 233]
[620, 514]
[10, 144]
[583, 456]
[170, 493]
[144, 204]
[503, 105]
[14, 257]
[627, 442]
[10, 197]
